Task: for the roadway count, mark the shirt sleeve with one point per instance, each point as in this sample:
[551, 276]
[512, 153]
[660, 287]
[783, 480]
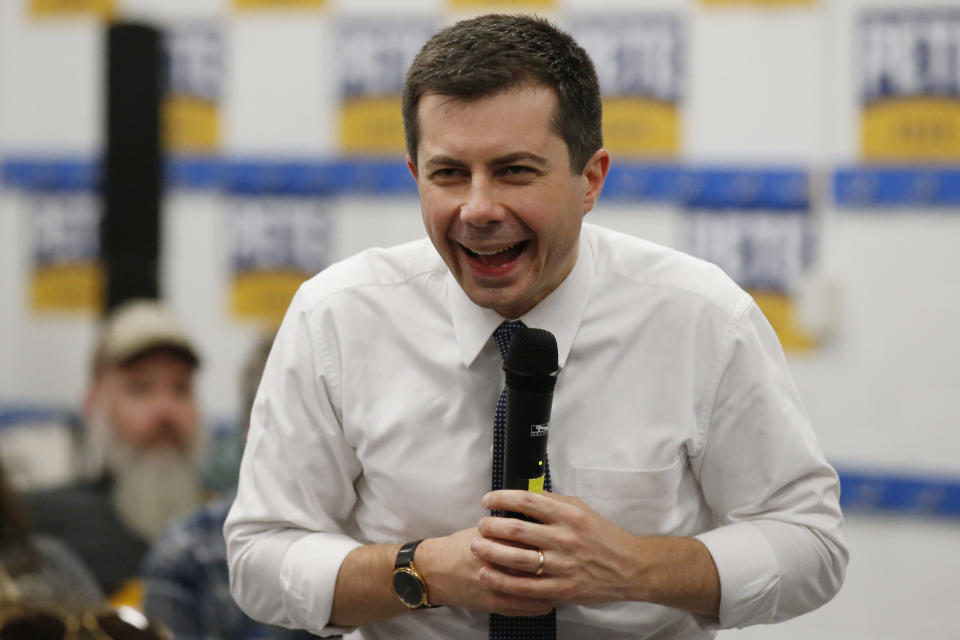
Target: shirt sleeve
[285, 533]
[779, 547]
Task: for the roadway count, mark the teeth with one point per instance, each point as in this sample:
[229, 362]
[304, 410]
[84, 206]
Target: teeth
[493, 253]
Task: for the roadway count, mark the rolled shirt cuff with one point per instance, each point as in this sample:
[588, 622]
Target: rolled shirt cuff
[308, 579]
[749, 574]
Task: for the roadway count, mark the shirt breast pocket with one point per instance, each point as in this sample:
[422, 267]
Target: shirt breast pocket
[641, 501]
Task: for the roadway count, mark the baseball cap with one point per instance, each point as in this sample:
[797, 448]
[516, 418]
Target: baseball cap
[137, 326]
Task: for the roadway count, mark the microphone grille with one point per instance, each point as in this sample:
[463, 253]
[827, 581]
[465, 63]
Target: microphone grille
[532, 352]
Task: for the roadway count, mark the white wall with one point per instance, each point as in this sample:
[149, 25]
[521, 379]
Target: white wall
[765, 88]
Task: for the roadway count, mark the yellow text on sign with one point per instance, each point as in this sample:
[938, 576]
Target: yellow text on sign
[640, 126]
[103, 8]
[190, 125]
[511, 4]
[68, 287]
[265, 295]
[372, 125]
[914, 128]
[781, 312]
[759, 3]
[279, 4]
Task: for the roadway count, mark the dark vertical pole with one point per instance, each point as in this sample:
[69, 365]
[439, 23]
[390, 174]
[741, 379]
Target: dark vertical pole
[133, 163]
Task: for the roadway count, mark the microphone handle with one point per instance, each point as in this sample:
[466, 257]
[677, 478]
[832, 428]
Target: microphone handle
[525, 442]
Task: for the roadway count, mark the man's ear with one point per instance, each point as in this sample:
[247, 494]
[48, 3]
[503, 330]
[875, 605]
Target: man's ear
[412, 167]
[595, 172]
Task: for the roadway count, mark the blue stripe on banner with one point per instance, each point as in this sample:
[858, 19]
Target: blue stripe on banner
[710, 188]
[51, 174]
[897, 186]
[767, 189]
[786, 189]
[341, 176]
[904, 494]
[14, 416]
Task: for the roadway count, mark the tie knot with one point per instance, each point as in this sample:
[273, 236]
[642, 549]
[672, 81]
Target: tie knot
[503, 333]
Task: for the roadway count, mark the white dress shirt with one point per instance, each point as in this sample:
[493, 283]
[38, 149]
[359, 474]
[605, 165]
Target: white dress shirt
[674, 414]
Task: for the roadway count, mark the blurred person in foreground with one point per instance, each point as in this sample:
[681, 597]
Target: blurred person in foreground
[140, 452]
[39, 568]
[186, 583]
[46, 591]
[689, 491]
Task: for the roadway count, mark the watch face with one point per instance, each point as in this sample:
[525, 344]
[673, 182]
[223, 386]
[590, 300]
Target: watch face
[409, 588]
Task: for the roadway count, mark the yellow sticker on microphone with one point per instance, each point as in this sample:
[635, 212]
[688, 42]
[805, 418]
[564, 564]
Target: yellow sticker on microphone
[535, 484]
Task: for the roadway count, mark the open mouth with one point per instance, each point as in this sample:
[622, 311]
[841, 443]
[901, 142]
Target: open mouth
[498, 257]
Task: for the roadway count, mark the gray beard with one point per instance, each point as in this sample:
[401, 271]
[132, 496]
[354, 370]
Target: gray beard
[152, 487]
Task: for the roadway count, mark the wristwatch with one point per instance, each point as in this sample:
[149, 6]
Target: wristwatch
[407, 582]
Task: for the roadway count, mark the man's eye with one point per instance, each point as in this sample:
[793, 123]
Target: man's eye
[517, 170]
[446, 173]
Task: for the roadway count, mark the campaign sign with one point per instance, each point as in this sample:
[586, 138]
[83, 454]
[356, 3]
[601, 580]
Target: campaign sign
[377, 54]
[910, 85]
[279, 4]
[194, 79]
[756, 225]
[641, 64]
[276, 242]
[766, 253]
[500, 4]
[65, 247]
[44, 8]
[757, 3]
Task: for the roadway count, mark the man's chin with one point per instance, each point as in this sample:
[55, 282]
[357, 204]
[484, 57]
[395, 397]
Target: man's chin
[505, 300]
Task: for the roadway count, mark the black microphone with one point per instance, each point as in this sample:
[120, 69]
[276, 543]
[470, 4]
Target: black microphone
[531, 375]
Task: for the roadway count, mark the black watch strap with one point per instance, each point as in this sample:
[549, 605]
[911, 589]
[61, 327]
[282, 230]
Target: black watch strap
[405, 555]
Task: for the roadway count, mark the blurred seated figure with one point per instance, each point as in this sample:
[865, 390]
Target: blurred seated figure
[46, 592]
[186, 581]
[140, 449]
[36, 567]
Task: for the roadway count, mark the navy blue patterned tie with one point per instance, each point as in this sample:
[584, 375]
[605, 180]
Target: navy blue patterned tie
[507, 627]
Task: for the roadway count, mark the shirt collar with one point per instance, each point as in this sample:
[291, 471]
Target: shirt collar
[560, 313]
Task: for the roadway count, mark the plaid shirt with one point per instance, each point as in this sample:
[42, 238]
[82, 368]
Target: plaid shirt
[186, 583]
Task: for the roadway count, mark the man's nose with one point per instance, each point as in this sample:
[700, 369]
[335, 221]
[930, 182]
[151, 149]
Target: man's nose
[482, 206]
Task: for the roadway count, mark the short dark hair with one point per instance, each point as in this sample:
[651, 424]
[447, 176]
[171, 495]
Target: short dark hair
[482, 56]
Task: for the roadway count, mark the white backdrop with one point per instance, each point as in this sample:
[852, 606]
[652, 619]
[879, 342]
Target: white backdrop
[765, 88]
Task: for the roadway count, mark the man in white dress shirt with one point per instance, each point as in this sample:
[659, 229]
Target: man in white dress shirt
[689, 490]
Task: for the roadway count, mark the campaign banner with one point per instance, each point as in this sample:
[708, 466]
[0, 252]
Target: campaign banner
[500, 4]
[65, 251]
[758, 226]
[275, 242]
[757, 3]
[279, 4]
[191, 116]
[641, 65]
[765, 252]
[48, 8]
[378, 52]
[909, 85]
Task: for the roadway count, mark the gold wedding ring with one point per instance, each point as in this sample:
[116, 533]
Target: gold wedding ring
[540, 561]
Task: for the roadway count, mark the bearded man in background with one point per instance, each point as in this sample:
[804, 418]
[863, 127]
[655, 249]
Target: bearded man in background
[139, 458]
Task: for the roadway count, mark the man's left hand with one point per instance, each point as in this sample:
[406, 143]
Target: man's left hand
[587, 558]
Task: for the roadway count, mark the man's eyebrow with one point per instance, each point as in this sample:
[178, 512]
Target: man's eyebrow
[444, 161]
[520, 156]
[507, 159]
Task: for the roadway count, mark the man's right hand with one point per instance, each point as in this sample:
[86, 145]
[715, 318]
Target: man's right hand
[364, 591]
[451, 572]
